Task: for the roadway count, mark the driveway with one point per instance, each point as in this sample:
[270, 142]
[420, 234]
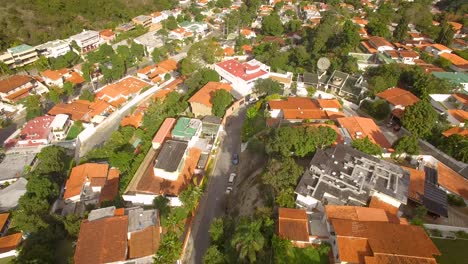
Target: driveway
[213, 202]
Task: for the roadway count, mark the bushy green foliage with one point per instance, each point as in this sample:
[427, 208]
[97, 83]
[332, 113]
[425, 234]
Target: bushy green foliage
[221, 100]
[419, 118]
[378, 109]
[267, 87]
[406, 144]
[367, 146]
[455, 200]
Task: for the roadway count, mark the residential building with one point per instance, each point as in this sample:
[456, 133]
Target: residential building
[343, 175]
[16, 87]
[293, 225]
[180, 34]
[242, 76]
[283, 78]
[424, 191]
[453, 106]
[111, 235]
[438, 49]
[371, 235]
[457, 78]
[54, 77]
[11, 194]
[164, 132]
[8, 243]
[455, 131]
[87, 40]
[344, 84]
[201, 101]
[60, 127]
[196, 28]
[91, 183]
[150, 40]
[19, 56]
[36, 132]
[377, 44]
[297, 109]
[83, 110]
[142, 20]
[119, 92]
[170, 160]
[459, 64]
[107, 36]
[187, 129]
[125, 27]
[157, 73]
[54, 49]
[158, 17]
[398, 99]
[211, 126]
[311, 12]
[248, 33]
[355, 127]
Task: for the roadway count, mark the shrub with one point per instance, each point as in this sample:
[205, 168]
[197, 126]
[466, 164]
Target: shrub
[455, 200]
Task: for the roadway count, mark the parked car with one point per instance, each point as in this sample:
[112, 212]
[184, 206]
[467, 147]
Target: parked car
[228, 190]
[235, 159]
[232, 176]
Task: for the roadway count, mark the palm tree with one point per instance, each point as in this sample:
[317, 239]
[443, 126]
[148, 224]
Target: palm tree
[248, 239]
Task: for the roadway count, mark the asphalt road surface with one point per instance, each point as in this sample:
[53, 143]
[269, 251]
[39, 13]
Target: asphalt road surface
[213, 203]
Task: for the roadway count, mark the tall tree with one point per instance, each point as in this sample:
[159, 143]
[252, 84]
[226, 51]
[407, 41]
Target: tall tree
[367, 146]
[221, 100]
[33, 106]
[170, 249]
[271, 25]
[406, 144]
[401, 31]
[213, 256]
[267, 87]
[248, 239]
[420, 118]
[282, 173]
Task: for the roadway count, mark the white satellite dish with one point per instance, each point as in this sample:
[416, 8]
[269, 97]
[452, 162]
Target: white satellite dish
[323, 64]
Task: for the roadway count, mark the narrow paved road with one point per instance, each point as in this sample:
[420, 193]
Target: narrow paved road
[213, 203]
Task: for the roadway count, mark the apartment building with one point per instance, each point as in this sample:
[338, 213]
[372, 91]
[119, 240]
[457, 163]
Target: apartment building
[54, 49]
[19, 56]
[87, 40]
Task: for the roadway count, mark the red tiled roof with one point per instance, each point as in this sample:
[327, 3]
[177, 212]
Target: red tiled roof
[101, 241]
[54, 74]
[441, 47]
[205, 94]
[356, 213]
[459, 114]
[19, 94]
[135, 119]
[107, 33]
[368, 47]
[124, 87]
[294, 103]
[452, 181]
[455, 59]
[397, 96]
[293, 224]
[37, 128]
[3, 219]
[329, 103]
[367, 127]
[77, 110]
[13, 82]
[240, 70]
[378, 42]
[75, 78]
[417, 183]
[111, 187]
[462, 98]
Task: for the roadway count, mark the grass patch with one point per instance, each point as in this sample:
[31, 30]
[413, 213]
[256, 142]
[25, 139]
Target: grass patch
[75, 130]
[453, 251]
[308, 255]
[7, 260]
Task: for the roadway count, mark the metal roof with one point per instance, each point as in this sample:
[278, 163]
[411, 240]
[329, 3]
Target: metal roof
[171, 154]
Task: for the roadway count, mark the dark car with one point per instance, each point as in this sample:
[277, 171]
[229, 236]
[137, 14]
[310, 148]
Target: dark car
[235, 159]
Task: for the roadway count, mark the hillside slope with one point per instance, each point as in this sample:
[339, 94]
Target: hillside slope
[37, 21]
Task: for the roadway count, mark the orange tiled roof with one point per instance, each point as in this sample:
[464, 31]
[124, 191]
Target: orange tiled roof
[353, 249]
[54, 75]
[409, 241]
[456, 26]
[293, 224]
[417, 183]
[368, 47]
[462, 98]
[98, 107]
[123, 87]
[19, 94]
[3, 219]
[205, 94]
[391, 259]
[246, 31]
[229, 51]
[146, 70]
[143, 243]
[397, 96]
[75, 78]
[101, 241]
[367, 127]
[80, 174]
[377, 42]
[134, 119]
[294, 103]
[247, 48]
[329, 103]
[356, 213]
[390, 210]
[76, 110]
[169, 65]
[455, 131]
[460, 115]
[440, 47]
[10, 242]
[107, 33]
[455, 59]
[452, 181]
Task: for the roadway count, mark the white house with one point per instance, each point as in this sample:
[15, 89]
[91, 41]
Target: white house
[242, 75]
[180, 34]
[453, 106]
[158, 17]
[54, 49]
[87, 40]
[60, 126]
[438, 49]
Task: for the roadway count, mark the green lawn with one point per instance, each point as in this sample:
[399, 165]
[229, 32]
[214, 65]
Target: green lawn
[6, 260]
[74, 131]
[309, 255]
[453, 251]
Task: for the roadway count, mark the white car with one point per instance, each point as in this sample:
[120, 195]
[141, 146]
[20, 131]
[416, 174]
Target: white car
[232, 176]
[228, 190]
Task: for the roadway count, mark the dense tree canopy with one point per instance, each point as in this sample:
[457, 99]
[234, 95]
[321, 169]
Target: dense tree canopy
[221, 100]
[367, 146]
[267, 87]
[406, 144]
[248, 240]
[271, 25]
[420, 118]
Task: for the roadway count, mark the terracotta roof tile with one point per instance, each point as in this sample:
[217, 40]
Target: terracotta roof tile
[80, 174]
[143, 243]
[377, 41]
[164, 130]
[77, 110]
[294, 103]
[356, 213]
[3, 219]
[452, 181]
[75, 78]
[455, 59]
[10, 242]
[13, 82]
[460, 115]
[417, 183]
[462, 98]
[111, 187]
[390, 210]
[205, 94]
[353, 249]
[367, 127]
[329, 103]
[455, 131]
[293, 224]
[19, 94]
[397, 96]
[101, 241]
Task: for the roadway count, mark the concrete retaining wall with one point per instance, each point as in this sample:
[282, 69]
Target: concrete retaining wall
[446, 228]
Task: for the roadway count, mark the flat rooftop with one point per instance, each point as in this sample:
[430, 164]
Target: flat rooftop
[171, 154]
[13, 165]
